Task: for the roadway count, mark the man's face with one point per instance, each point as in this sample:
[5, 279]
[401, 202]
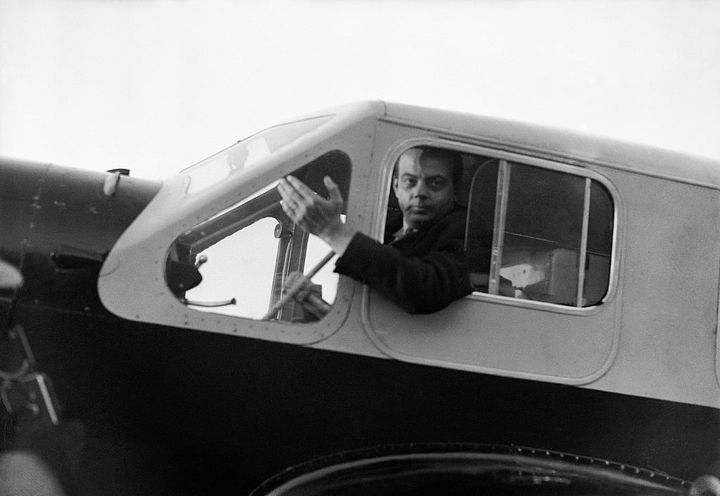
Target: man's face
[424, 188]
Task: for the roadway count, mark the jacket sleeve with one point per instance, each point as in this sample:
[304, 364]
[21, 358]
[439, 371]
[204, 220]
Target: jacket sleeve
[418, 284]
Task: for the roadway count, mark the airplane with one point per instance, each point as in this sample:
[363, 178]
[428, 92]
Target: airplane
[159, 310]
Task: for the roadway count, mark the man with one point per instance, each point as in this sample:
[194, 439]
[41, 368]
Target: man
[422, 266]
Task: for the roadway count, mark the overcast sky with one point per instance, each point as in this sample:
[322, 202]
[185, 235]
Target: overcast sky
[156, 85]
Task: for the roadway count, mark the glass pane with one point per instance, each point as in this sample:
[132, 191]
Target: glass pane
[543, 235]
[600, 237]
[247, 153]
[481, 214]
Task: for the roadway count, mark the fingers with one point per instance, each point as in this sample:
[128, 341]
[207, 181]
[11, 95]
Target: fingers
[287, 192]
[295, 193]
[333, 191]
[301, 189]
[296, 206]
[309, 210]
[294, 190]
[291, 200]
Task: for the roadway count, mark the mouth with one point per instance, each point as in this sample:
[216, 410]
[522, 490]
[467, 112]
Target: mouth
[419, 210]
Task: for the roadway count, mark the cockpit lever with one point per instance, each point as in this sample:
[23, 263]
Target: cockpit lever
[210, 304]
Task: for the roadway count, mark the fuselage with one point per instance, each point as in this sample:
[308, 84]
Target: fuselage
[181, 410]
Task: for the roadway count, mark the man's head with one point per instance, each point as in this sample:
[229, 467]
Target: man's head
[424, 183]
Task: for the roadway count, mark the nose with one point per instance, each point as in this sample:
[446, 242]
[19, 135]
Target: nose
[421, 189]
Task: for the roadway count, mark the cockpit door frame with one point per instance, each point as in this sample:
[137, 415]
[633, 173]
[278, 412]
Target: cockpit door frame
[138, 258]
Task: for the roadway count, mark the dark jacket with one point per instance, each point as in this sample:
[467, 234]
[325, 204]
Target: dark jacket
[422, 272]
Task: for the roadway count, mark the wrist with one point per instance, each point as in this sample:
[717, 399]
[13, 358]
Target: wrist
[338, 239]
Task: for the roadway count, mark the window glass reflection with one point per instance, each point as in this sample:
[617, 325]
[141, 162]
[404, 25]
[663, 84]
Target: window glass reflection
[247, 153]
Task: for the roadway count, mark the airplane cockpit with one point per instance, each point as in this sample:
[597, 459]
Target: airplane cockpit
[531, 233]
[214, 250]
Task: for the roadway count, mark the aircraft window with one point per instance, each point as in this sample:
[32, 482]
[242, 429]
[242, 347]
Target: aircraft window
[539, 234]
[247, 152]
[240, 261]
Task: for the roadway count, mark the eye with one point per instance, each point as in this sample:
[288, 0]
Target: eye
[409, 182]
[436, 183]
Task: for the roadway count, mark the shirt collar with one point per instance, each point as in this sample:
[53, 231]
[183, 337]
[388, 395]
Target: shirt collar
[404, 231]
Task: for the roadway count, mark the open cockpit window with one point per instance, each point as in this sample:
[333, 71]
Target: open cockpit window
[539, 234]
[241, 261]
[535, 232]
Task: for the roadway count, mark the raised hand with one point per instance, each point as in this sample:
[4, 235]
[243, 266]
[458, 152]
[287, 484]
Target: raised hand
[315, 214]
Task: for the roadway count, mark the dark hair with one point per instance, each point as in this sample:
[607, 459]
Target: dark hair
[442, 154]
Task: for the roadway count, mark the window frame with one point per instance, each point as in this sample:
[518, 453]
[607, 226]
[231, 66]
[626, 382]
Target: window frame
[553, 163]
[502, 203]
[291, 250]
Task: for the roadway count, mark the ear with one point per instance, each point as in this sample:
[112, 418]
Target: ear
[395, 185]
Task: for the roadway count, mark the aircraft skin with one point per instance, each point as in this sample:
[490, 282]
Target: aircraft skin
[181, 411]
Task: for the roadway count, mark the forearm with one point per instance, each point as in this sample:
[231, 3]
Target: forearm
[417, 284]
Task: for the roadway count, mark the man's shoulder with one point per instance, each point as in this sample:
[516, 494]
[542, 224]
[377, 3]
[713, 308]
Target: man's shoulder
[453, 222]
[446, 234]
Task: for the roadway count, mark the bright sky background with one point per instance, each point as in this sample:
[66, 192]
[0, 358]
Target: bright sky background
[156, 85]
